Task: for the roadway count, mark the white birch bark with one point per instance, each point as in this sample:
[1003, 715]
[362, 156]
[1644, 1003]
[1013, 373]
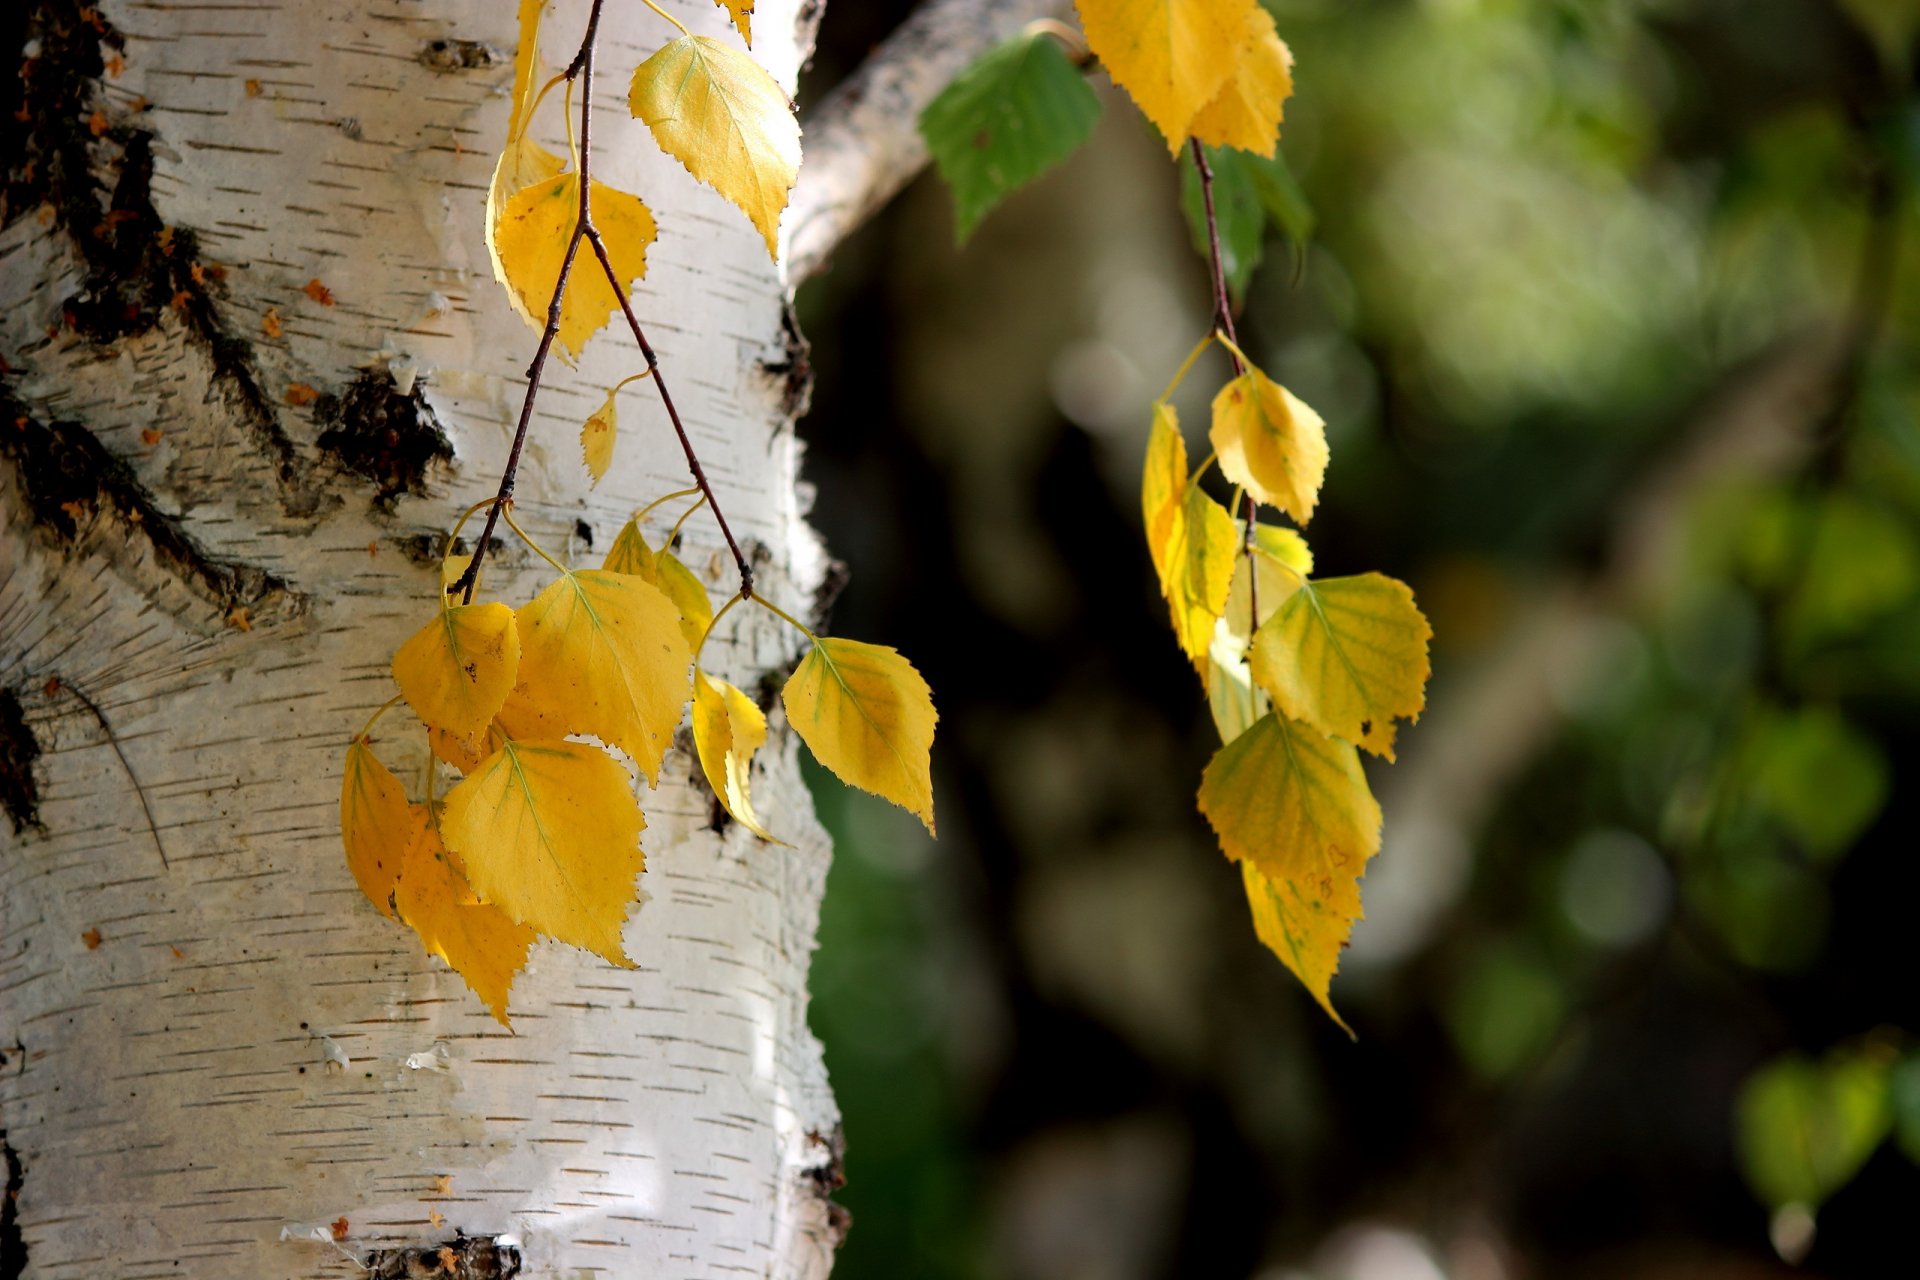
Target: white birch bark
[250, 1054]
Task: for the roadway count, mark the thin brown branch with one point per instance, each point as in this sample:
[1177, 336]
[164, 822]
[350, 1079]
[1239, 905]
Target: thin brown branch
[56, 685]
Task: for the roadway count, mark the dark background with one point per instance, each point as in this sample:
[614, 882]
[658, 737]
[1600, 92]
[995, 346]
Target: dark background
[1607, 313]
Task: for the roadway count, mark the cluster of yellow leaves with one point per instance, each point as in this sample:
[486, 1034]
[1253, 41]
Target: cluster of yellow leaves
[540, 835]
[1215, 70]
[710, 106]
[1326, 666]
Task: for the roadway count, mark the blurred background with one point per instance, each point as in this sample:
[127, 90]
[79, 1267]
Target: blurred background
[1608, 305]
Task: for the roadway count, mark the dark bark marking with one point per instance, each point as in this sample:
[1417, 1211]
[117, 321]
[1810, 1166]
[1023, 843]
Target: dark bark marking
[794, 370]
[71, 481]
[450, 54]
[461, 1258]
[378, 431]
[137, 268]
[13, 1245]
[19, 749]
[828, 1177]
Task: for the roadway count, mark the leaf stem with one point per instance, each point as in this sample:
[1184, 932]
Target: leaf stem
[684, 517]
[507, 513]
[640, 516]
[697, 649]
[373, 719]
[786, 617]
[669, 17]
[1180, 375]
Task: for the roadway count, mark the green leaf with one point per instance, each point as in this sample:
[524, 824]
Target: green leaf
[1237, 210]
[1281, 196]
[1819, 777]
[1013, 115]
[1805, 1128]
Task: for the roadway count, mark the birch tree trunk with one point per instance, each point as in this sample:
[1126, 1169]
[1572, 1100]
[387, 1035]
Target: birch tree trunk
[256, 363]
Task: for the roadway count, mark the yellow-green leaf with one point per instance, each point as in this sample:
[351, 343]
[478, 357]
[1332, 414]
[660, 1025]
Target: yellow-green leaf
[605, 654]
[1163, 489]
[741, 11]
[631, 554]
[1171, 56]
[375, 825]
[481, 942]
[866, 714]
[1270, 444]
[457, 670]
[596, 439]
[717, 112]
[1200, 567]
[549, 833]
[1281, 558]
[1347, 655]
[727, 729]
[1293, 805]
[535, 228]
[1247, 111]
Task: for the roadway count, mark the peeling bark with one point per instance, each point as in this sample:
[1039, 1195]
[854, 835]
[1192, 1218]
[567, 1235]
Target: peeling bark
[19, 751]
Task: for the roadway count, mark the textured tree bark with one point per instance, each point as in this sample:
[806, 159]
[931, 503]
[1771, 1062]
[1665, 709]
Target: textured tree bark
[219, 486]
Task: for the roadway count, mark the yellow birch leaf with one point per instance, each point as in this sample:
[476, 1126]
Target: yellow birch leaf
[596, 440]
[1247, 111]
[526, 59]
[549, 833]
[604, 652]
[1163, 489]
[1270, 444]
[717, 112]
[374, 824]
[1171, 56]
[479, 941]
[457, 670]
[535, 227]
[1281, 558]
[1293, 805]
[631, 554]
[451, 568]
[727, 729]
[741, 11]
[1347, 655]
[461, 753]
[866, 714]
[522, 162]
[522, 716]
[1200, 568]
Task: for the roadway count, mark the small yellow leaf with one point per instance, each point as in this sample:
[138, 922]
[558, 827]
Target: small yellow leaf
[866, 714]
[1247, 111]
[549, 833]
[461, 753]
[526, 60]
[605, 653]
[1200, 568]
[717, 112]
[596, 440]
[1293, 805]
[1163, 488]
[451, 568]
[1270, 444]
[536, 225]
[481, 942]
[374, 824]
[457, 670]
[1171, 56]
[1282, 558]
[1347, 655]
[631, 554]
[522, 162]
[727, 729]
[741, 11]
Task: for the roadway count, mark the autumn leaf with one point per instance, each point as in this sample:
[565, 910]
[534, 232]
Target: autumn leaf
[596, 438]
[866, 714]
[717, 112]
[1270, 444]
[374, 824]
[535, 227]
[455, 751]
[1171, 56]
[1163, 489]
[522, 162]
[1347, 655]
[521, 716]
[481, 942]
[456, 671]
[741, 11]
[549, 832]
[1247, 111]
[605, 654]
[1200, 569]
[631, 554]
[1281, 558]
[727, 729]
[1292, 805]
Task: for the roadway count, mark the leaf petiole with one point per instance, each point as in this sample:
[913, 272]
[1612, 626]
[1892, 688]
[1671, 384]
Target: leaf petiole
[640, 516]
[669, 17]
[1187, 364]
[786, 617]
[538, 550]
[737, 598]
[385, 707]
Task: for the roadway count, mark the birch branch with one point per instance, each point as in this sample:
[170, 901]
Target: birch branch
[863, 141]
